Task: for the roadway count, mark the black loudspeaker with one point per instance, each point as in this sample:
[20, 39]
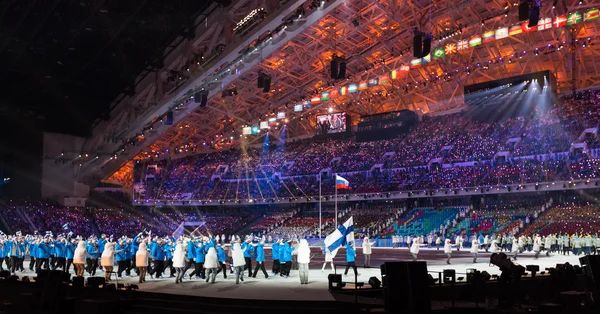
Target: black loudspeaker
[591, 266]
[78, 282]
[42, 274]
[426, 45]
[334, 64]
[418, 46]
[60, 276]
[335, 281]
[261, 80]
[534, 16]
[524, 10]
[374, 282]
[267, 86]
[342, 70]
[406, 287]
[201, 98]
[4, 274]
[95, 282]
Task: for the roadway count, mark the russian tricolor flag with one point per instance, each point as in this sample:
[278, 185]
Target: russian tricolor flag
[341, 183]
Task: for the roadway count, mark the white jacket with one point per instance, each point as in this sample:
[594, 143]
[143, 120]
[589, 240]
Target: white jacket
[475, 246]
[179, 254]
[238, 255]
[303, 252]
[415, 246]
[447, 247]
[108, 256]
[366, 246]
[80, 253]
[211, 260]
[141, 256]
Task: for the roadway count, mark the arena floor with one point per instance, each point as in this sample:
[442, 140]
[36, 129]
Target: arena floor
[291, 289]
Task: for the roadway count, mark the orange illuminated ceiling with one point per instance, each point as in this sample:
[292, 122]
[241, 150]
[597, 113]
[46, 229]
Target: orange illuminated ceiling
[376, 37]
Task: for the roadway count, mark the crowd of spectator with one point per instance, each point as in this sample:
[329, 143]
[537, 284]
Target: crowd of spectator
[442, 152]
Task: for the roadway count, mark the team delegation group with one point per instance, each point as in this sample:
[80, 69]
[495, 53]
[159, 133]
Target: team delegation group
[145, 254]
[207, 256]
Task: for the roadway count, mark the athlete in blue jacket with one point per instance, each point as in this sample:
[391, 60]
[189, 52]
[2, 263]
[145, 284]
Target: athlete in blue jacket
[92, 258]
[121, 250]
[199, 261]
[275, 256]
[70, 253]
[60, 253]
[260, 259]
[42, 255]
[222, 257]
[247, 248]
[350, 255]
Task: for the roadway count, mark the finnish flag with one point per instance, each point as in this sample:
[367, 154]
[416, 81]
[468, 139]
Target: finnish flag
[340, 237]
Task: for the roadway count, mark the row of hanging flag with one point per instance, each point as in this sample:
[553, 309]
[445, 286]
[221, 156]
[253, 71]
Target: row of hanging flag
[452, 48]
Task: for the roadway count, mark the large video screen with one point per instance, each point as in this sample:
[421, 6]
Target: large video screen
[331, 123]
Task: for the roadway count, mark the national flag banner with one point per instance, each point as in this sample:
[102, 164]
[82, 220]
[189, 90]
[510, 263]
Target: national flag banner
[450, 48]
[591, 15]
[415, 63]
[334, 93]
[404, 68]
[343, 90]
[526, 29]
[373, 82]
[362, 85]
[574, 18]
[462, 45]
[501, 32]
[65, 226]
[488, 36]
[325, 96]
[439, 53]
[352, 88]
[394, 74]
[559, 21]
[426, 59]
[515, 30]
[315, 100]
[384, 79]
[544, 23]
[474, 41]
[340, 237]
[341, 183]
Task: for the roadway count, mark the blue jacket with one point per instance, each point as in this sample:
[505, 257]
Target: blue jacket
[260, 253]
[19, 249]
[350, 253]
[275, 251]
[93, 251]
[101, 243]
[287, 253]
[158, 252]
[70, 250]
[33, 250]
[121, 256]
[135, 245]
[191, 250]
[200, 253]
[169, 250]
[221, 255]
[247, 247]
[43, 250]
[59, 249]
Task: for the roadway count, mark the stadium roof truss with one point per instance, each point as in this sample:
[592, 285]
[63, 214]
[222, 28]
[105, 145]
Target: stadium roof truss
[374, 37]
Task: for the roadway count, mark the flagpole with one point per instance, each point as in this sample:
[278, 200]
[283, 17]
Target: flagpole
[336, 215]
[320, 227]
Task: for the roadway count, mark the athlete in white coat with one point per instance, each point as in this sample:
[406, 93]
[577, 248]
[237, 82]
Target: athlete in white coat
[414, 248]
[211, 263]
[238, 262]
[475, 249]
[179, 259]
[448, 250]
[107, 260]
[141, 261]
[516, 248]
[366, 247]
[79, 258]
